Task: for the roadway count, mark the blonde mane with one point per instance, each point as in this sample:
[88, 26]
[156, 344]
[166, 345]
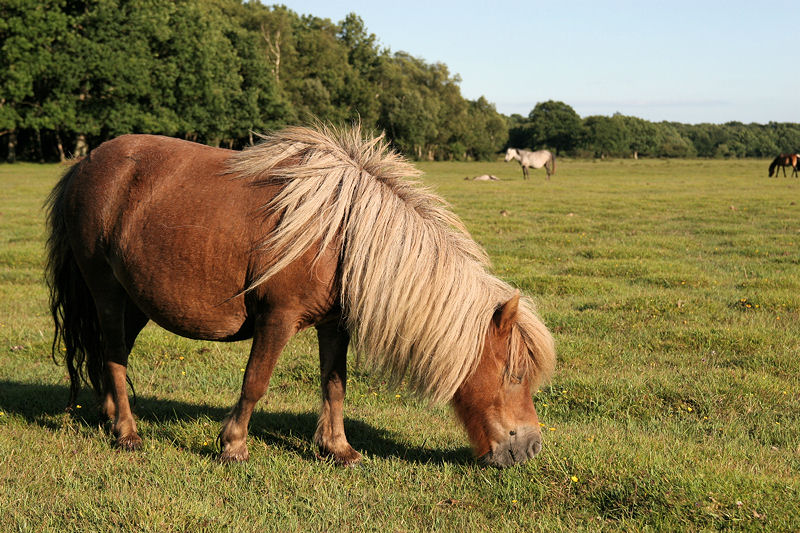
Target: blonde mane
[415, 290]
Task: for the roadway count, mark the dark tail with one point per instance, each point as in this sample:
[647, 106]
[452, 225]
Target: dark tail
[773, 165]
[74, 314]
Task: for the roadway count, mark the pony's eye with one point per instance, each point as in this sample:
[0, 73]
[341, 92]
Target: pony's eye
[516, 380]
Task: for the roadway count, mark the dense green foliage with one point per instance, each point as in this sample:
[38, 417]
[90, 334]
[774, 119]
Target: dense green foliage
[555, 125]
[672, 288]
[75, 72]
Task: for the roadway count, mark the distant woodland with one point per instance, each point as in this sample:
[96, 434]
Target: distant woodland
[73, 74]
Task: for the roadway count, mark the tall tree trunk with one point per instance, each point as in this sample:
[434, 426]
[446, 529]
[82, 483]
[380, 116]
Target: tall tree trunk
[60, 146]
[81, 147]
[273, 43]
[12, 147]
[39, 145]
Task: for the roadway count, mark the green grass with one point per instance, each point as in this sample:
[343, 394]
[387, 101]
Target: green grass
[673, 292]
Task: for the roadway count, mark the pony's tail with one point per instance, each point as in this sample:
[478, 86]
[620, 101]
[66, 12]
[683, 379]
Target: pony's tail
[77, 327]
[552, 163]
[773, 165]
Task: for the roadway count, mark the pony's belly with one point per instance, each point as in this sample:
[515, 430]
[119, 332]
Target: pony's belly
[196, 295]
[196, 316]
[200, 328]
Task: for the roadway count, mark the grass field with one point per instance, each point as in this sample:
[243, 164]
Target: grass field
[673, 291]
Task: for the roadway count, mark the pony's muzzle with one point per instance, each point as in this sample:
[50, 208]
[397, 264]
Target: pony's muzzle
[521, 445]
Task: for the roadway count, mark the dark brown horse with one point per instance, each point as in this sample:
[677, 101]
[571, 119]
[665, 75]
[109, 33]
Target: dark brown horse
[312, 227]
[783, 161]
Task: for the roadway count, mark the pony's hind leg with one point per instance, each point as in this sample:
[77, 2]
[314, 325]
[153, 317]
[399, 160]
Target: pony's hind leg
[330, 437]
[270, 335]
[121, 321]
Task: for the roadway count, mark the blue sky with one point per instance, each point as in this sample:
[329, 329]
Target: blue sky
[700, 61]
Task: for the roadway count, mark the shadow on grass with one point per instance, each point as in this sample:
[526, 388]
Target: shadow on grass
[39, 404]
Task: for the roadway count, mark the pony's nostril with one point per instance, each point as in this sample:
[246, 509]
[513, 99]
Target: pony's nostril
[512, 432]
[534, 448]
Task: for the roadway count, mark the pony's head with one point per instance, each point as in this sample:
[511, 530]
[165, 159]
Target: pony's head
[511, 153]
[773, 167]
[494, 404]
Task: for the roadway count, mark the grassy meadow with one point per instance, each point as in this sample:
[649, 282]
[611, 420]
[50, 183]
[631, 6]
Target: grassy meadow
[672, 288]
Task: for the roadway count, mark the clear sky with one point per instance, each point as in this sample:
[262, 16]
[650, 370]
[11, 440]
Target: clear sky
[686, 61]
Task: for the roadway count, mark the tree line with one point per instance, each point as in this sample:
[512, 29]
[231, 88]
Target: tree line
[557, 126]
[75, 73]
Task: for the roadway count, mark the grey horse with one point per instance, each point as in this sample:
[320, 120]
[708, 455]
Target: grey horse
[537, 159]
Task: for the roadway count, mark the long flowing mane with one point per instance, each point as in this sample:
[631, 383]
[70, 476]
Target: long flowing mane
[416, 292]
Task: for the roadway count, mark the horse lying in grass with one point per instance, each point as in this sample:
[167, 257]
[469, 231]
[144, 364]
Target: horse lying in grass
[528, 159]
[483, 177]
[311, 227]
[783, 161]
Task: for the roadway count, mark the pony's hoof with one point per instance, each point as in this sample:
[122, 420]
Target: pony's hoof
[129, 443]
[347, 457]
[238, 455]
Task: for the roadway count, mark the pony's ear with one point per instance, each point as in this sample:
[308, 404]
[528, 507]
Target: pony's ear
[505, 316]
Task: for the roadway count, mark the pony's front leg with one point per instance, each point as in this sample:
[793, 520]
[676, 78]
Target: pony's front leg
[269, 337]
[330, 437]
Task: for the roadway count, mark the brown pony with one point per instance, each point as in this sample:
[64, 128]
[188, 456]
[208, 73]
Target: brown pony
[312, 227]
[783, 161]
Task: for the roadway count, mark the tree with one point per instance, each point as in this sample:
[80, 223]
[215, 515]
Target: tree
[260, 104]
[361, 83]
[406, 105]
[486, 131]
[672, 143]
[35, 84]
[607, 136]
[642, 136]
[555, 125]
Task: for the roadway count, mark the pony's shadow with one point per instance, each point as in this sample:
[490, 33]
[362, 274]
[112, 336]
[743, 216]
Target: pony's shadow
[40, 404]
